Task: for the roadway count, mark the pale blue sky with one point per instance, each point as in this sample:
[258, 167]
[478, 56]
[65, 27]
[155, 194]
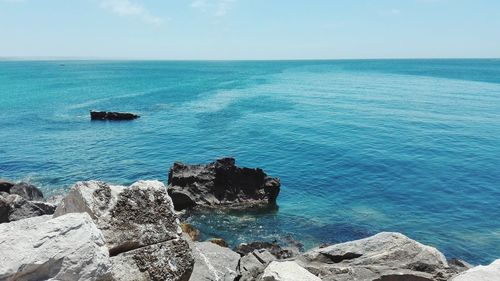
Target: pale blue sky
[250, 29]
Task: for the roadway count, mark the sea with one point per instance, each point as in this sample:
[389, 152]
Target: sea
[360, 146]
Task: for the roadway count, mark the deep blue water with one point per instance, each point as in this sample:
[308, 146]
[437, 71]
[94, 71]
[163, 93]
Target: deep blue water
[360, 146]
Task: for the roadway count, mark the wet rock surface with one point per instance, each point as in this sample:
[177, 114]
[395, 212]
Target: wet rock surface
[220, 184]
[114, 116]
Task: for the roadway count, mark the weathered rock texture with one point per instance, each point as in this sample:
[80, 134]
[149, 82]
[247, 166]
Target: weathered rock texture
[213, 262]
[288, 271]
[67, 248]
[171, 260]
[139, 226]
[481, 273]
[385, 256]
[220, 183]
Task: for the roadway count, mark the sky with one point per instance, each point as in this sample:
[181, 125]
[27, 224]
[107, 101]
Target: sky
[250, 29]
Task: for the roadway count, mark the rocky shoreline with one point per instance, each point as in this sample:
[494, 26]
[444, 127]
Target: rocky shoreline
[105, 232]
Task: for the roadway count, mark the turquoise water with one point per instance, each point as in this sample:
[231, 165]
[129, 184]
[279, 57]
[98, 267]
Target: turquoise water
[360, 146]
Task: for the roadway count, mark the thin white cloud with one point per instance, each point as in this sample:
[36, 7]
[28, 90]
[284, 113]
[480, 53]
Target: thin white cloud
[128, 8]
[218, 8]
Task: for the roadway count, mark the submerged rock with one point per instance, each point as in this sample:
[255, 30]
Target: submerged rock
[105, 115]
[481, 273]
[288, 271]
[385, 256]
[213, 262]
[219, 184]
[139, 226]
[66, 248]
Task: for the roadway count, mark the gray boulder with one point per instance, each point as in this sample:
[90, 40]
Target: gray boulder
[221, 184]
[213, 262]
[253, 264]
[27, 191]
[139, 226]
[273, 247]
[170, 260]
[14, 207]
[385, 256]
[66, 248]
[288, 271]
[481, 273]
[133, 217]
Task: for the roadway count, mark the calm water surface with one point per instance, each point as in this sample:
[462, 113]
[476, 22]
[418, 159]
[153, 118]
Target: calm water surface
[360, 146]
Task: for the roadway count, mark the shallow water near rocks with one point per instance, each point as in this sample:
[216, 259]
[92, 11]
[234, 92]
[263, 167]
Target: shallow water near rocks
[360, 146]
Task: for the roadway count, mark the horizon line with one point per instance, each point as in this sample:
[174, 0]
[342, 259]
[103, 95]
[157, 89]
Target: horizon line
[85, 58]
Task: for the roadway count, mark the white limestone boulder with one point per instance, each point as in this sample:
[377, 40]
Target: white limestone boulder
[213, 262]
[481, 273]
[287, 271]
[69, 247]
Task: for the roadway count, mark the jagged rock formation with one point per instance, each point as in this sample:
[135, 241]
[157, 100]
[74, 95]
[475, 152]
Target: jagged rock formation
[139, 226]
[40, 248]
[220, 184]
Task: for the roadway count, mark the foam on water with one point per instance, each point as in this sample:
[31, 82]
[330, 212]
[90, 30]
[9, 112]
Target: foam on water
[360, 146]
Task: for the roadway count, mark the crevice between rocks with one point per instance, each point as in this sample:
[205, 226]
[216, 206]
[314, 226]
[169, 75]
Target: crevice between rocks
[131, 246]
[339, 258]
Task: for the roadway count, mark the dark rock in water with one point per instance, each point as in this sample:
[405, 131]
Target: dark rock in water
[27, 191]
[5, 186]
[275, 249]
[104, 115]
[220, 184]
